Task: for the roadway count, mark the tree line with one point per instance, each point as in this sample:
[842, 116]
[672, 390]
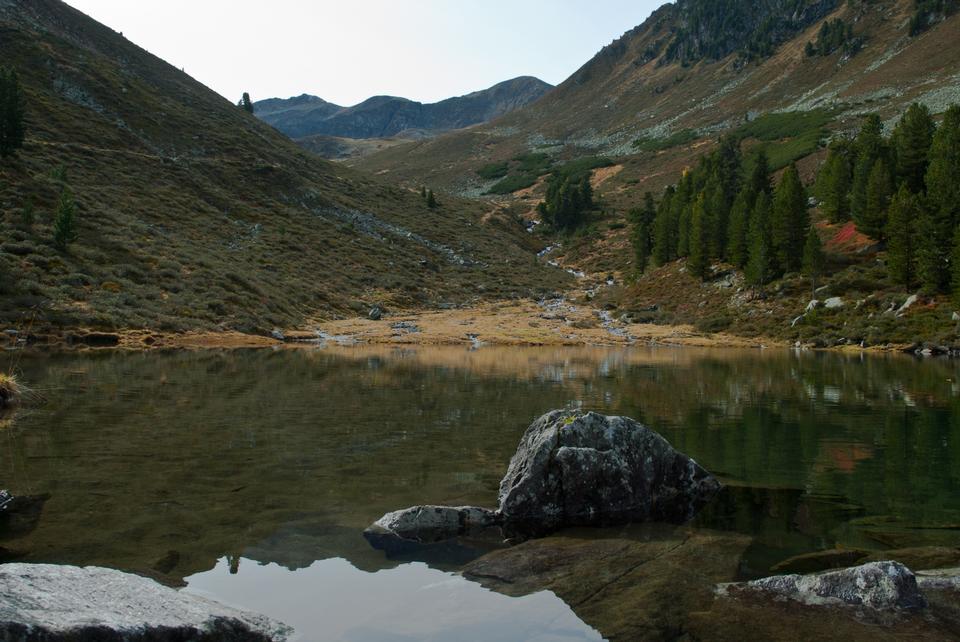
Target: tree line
[728, 209]
[903, 190]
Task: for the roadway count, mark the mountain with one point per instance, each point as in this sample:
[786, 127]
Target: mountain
[660, 95]
[388, 116]
[194, 215]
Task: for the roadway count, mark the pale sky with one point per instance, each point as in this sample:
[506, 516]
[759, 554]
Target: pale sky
[349, 50]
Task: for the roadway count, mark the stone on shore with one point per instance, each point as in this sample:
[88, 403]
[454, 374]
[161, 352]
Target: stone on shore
[54, 603]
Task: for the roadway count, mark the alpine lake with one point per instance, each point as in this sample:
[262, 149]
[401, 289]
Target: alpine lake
[248, 476]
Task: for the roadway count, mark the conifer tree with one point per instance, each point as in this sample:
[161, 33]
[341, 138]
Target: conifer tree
[739, 227]
[873, 218]
[912, 139]
[869, 147]
[814, 260]
[955, 267]
[642, 235]
[790, 220]
[904, 213]
[717, 216]
[246, 104]
[681, 205]
[758, 176]
[942, 209]
[834, 182]
[65, 221]
[664, 230]
[12, 129]
[699, 243]
[760, 264]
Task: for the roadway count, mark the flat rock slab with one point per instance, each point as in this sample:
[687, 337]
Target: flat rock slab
[49, 603]
[432, 523]
[639, 585]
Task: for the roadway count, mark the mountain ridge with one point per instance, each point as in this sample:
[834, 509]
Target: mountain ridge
[386, 116]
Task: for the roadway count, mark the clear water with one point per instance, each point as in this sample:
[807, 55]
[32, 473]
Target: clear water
[190, 465]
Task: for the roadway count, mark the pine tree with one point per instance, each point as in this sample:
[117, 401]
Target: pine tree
[12, 128]
[681, 206]
[642, 235]
[65, 221]
[758, 174]
[423, 191]
[814, 260]
[760, 265]
[699, 243]
[873, 218]
[664, 230]
[431, 199]
[790, 220]
[869, 147]
[912, 139]
[739, 227]
[904, 213]
[246, 104]
[834, 182]
[717, 217]
[955, 277]
[941, 213]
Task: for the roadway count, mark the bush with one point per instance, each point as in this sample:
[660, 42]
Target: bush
[493, 171]
[682, 137]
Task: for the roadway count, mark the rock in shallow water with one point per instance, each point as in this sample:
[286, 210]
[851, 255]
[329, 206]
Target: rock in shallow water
[877, 585]
[592, 470]
[573, 469]
[53, 603]
[433, 523]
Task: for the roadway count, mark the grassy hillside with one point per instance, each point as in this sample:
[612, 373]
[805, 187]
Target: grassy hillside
[193, 214]
[656, 98]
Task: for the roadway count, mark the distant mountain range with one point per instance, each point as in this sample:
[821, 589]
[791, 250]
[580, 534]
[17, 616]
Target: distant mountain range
[389, 116]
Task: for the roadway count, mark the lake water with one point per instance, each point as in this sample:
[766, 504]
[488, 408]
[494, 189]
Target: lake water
[250, 475]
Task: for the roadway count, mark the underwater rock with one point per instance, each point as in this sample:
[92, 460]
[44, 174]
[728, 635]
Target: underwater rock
[49, 602]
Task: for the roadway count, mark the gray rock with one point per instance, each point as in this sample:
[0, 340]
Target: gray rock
[813, 305]
[277, 334]
[571, 469]
[575, 469]
[376, 313]
[834, 303]
[432, 523]
[877, 585]
[908, 304]
[51, 603]
[939, 579]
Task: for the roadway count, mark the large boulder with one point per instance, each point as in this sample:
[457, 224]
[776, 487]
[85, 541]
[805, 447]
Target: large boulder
[54, 603]
[586, 469]
[877, 586]
[571, 469]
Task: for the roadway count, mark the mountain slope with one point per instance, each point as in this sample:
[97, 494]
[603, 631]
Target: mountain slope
[692, 71]
[386, 116]
[195, 215]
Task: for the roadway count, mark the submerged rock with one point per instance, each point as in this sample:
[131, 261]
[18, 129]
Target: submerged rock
[48, 602]
[574, 469]
[877, 585]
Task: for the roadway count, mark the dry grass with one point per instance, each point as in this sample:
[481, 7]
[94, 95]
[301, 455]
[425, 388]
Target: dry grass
[11, 391]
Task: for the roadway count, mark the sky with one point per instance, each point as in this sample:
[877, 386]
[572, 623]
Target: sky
[348, 50]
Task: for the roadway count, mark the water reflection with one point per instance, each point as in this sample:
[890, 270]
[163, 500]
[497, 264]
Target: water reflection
[412, 603]
[166, 463]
